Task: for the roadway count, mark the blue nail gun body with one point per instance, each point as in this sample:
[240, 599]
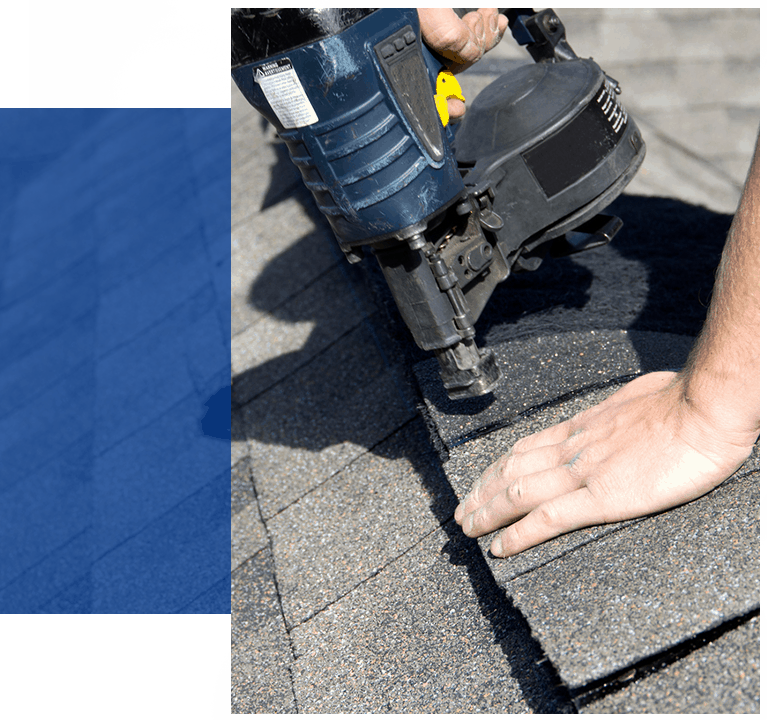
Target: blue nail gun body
[540, 153]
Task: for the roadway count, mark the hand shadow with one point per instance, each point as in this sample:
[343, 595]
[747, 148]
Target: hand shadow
[341, 386]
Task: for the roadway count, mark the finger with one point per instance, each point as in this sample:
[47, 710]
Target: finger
[552, 435]
[577, 509]
[558, 445]
[474, 47]
[504, 471]
[446, 33]
[503, 25]
[519, 499]
[456, 108]
[478, 22]
[494, 26]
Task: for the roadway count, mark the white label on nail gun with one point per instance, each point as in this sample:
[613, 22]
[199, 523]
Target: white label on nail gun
[284, 92]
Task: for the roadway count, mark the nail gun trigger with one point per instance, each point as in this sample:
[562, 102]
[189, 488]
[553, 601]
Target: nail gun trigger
[483, 203]
[490, 220]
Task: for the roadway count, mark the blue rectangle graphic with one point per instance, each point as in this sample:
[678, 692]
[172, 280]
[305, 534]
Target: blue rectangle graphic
[114, 361]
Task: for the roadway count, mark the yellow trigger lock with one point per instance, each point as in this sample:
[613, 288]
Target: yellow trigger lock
[447, 87]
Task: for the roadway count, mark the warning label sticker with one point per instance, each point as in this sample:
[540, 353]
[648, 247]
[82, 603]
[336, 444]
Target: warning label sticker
[285, 94]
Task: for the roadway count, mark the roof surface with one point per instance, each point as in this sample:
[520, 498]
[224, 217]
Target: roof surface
[353, 590]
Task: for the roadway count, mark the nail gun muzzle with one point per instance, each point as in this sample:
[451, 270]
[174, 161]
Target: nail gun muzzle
[433, 304]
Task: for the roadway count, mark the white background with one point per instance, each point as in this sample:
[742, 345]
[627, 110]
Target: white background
[93, 36]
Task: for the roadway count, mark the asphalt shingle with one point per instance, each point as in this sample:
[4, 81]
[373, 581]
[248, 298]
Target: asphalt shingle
[414, 639]
[313, 423]
[291, 334]
[248, 530]
[600, 600]
[360, 520]
[720, 677]
[261, 654]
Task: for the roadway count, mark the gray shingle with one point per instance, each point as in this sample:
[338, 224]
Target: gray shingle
[594, 602]
[290, 335]
[414, 639]
[721, 677]
[261, 654]
[358, 521]
[319, 419]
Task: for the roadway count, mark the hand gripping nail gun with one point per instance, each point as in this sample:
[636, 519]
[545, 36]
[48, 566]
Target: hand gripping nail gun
[448, 214]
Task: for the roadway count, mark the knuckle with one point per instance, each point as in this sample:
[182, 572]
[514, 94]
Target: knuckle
[478, 492]
[452, 37]
[583, 462]
[506, 465]
[574, 466]
[550, 516]
[515, 493]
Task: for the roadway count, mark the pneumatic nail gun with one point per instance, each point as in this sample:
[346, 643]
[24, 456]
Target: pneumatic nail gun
[360, 102]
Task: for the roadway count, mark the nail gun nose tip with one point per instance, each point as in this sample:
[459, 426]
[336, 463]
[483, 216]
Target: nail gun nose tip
[477, 381]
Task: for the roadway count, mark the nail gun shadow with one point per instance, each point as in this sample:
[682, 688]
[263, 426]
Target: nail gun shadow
[332, 384]
[655, 276]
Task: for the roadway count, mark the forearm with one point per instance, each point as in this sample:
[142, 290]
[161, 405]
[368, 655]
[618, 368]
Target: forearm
[721, 378]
